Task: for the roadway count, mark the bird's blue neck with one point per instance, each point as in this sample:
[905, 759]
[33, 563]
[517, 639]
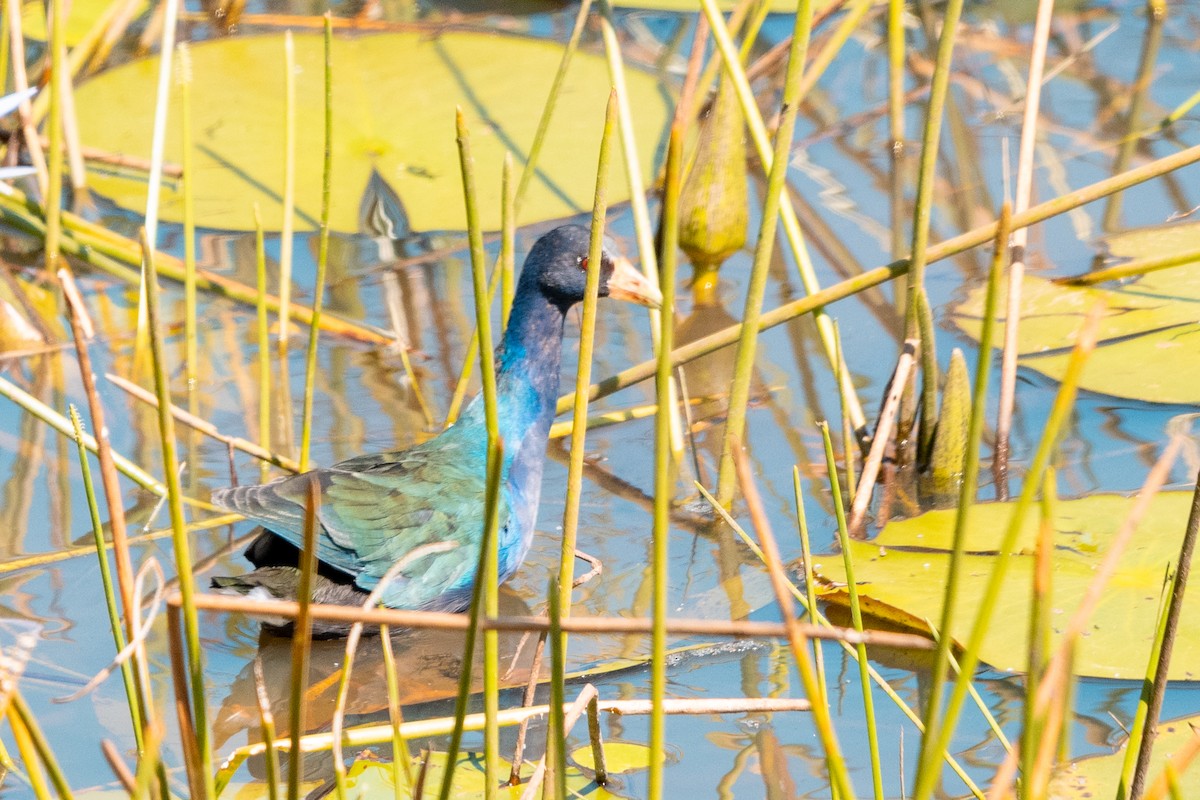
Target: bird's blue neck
[528, 363]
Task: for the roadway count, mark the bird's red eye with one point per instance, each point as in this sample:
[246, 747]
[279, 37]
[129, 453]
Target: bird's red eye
[583, 262]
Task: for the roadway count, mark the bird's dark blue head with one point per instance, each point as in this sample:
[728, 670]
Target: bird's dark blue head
[557, 267]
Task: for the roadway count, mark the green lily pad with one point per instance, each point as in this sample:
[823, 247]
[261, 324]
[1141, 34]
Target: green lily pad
[901, 573]
[394, 96]
[1099, 776]
[619, 757]
[1147, 347]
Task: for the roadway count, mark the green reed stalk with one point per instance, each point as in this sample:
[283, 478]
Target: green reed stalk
[643, 230]
[556, 744]
[286, 234]
[818, 618]
[5, 45]
[968, 487]
[897, 205]
[664, 461]
[508, 243]
[1156, 14]
[469, 358]
[847, 426]
[182, 546]
[1167, 627]
[264, 356]
[132, 697]
[1063, 403]
[149, 766]
[401, 756]
[743, 371]
[855, 614]
[851, 286]
[835, 762]
[791, 224]
[1133, 268]
[490, 575]
[28, 754]
[833, 45]
[191, 358]
[761, 10]
[314, 330]
[1140, 735]
[922, 212]
[487, 546]
[266, 722]
[583, 375]
[57, 28]
[539, 136]
[302, 639]
[110, 253]
[1032, 723]
[40, 746]
[810, 601]
[527, 174]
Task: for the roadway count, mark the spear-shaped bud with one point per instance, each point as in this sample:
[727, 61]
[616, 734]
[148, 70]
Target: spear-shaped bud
[713, 210]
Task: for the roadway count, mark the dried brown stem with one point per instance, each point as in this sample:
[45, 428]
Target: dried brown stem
[437, 620]
[204, 426]
[882, 435]
[117, 764]
[95, 154]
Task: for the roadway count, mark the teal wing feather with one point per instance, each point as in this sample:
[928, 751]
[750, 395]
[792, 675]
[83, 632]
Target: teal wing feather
[375, 510]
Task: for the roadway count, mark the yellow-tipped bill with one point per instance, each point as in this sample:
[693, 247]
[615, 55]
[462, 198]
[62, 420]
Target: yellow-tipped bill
[627, 283]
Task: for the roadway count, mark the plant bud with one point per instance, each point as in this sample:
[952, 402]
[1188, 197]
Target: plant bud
[948, 459]
[713, 208]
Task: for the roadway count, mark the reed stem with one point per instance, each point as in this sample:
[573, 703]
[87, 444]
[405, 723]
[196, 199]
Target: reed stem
[922, 214]
[967, 491]
[855, 614]
[286, 234]
[263, 337]
[491, 508]
[938, 741]
[583, 376]
[314, 330]
[191, 357]
[491, 552]
[302, 638]
[132, 697]
[743, 371]
[179, 538]
[56, 27]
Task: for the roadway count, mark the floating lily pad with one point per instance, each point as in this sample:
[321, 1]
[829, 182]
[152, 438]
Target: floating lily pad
[619, 757]
[901, 573]
[1099, 776]
[394, 96]
[1149, 343]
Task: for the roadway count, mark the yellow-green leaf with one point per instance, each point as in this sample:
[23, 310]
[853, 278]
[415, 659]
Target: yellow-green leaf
[1098, 776]
[619, 757]
[394, 97]
[1149, 342]
[901, 572]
